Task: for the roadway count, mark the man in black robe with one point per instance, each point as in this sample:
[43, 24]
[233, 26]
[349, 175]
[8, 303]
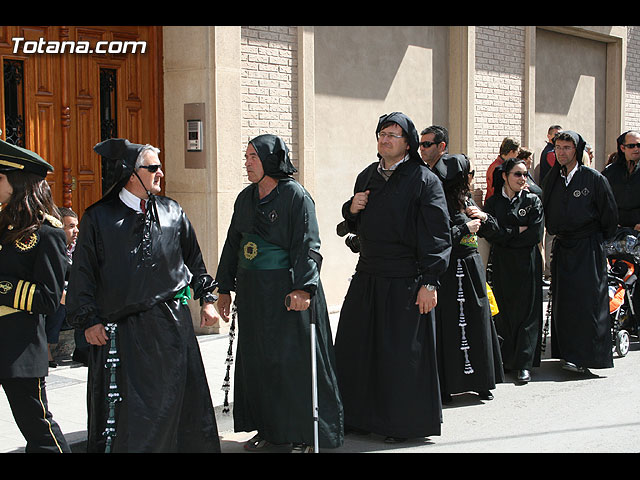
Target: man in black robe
[135, 263]
[385, 342]
[271, 253]
[581, 212]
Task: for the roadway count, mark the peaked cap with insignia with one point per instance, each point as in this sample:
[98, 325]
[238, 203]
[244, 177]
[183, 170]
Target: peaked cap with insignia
[15, 158]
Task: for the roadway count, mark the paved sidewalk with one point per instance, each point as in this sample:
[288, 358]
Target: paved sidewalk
[558, 411]
[66, 391]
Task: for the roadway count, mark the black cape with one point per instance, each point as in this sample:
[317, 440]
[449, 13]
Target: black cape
[117, 278]
[581, 216]
[385, 349]
[516, 275]
[272, 383]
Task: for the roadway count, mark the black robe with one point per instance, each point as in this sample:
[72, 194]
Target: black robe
[516, 275]
[272, 382]
[581, 216]
[117, 278]
[469, 357]
[385, 349]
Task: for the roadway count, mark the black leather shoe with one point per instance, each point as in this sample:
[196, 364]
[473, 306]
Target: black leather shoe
[524, 376]
[485, 395]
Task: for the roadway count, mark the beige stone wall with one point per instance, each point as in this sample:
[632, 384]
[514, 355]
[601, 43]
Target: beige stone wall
[323, 88]
[362, 73]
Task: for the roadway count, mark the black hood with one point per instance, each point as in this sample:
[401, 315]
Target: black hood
[407, 126]
[274, 155]
[578, 142]
[123, 155]
[554, 173]
[452, 166]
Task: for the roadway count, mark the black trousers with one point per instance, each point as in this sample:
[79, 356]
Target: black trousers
[28, 400]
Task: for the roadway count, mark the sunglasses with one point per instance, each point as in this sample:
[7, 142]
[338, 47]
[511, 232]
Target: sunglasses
[152, 168]
[427, 144]
[632, 145]
[520, 174]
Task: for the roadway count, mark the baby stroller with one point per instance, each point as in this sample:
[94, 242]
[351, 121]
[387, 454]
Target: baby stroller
[623, 258]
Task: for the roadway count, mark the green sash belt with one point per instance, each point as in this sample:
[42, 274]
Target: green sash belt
[183, 295]
[258, 254]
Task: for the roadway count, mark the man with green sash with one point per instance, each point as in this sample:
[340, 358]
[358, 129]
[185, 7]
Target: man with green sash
[136, 263]
[269, 255]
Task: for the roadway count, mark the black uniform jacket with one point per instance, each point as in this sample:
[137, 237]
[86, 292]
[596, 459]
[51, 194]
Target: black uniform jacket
[31, 281]
[112, 277]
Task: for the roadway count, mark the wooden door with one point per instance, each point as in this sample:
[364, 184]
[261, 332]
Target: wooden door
[66, 111]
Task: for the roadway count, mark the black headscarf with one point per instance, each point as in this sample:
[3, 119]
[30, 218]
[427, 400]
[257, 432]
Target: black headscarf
[274, 155]
[453, 171]
[407, 127]
[453, 167]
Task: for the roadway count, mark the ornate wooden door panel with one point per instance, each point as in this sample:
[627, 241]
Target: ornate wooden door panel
[65, 106]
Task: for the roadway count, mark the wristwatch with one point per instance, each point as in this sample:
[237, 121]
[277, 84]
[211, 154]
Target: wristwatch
[208, 298]
[431, 288]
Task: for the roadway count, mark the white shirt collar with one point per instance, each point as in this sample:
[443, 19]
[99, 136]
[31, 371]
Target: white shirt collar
[130, 200]
[516, 196]
[570, 175]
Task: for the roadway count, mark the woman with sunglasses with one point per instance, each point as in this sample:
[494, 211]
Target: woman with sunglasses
[514, 227]
[33, 266]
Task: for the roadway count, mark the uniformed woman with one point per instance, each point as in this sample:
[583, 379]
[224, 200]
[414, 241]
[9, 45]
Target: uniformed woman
[32, 269]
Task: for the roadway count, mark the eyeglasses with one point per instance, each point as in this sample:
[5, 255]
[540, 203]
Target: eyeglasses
[388, 135]
[427, 143]
[520, 174]
[631, 145]
[152, 168]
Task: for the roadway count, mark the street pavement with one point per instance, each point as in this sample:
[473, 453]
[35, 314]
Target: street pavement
[557, 412]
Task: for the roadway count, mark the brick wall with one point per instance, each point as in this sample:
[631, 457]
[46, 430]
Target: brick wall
[499, 87]
[632, 76]
[270, 85]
